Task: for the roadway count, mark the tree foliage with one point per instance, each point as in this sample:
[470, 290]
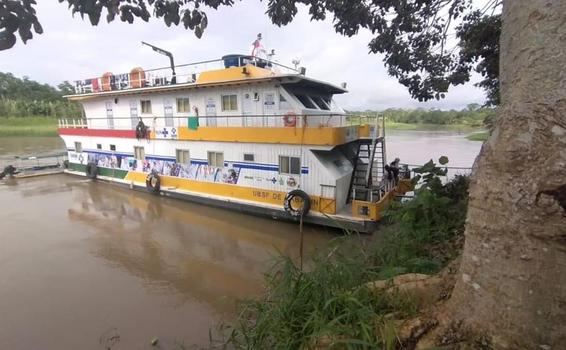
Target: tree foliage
[415, 36]
[28, 98]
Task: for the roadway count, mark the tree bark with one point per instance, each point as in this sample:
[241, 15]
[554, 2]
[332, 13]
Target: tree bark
[512, 280]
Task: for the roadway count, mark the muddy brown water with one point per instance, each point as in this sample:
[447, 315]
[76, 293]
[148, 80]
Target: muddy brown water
[87, 265]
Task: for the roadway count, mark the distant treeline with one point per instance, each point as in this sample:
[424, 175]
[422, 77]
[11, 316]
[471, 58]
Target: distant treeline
[473, 115]
[28, 98]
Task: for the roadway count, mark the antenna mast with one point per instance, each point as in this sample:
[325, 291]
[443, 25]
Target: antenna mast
[168, 54]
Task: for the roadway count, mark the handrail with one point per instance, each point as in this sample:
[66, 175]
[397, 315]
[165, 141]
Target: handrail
[154, 77]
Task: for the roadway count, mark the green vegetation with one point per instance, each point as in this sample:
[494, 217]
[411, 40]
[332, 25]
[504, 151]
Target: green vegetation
[32, 126]
[478, 136]
[472, 116]
[28, 108]
[329, 304]
[27, 98]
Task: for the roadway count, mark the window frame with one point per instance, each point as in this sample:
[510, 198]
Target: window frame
[139, 153]
[112, 148]
[186, 110]
[98, 146]
[78, 149]
[289, 165]
[215, 153]
[144, 110]
[232, 108]
[178, 159]
[248, 160]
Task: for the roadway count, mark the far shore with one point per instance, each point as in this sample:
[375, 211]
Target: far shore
[45, 126]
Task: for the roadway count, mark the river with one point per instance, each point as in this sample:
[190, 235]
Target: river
[84, 265]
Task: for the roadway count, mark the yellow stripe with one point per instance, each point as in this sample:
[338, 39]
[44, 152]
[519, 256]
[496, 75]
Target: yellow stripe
[232, 191]
[233, 73]
[323, 136]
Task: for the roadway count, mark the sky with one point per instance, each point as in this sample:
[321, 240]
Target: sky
[71, 49]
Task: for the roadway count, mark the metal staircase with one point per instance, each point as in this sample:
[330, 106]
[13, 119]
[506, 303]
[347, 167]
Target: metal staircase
[369, 165]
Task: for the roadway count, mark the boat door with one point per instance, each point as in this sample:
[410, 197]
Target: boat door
[168, 113]
[109, 115]
[269, 107]
[247, 108]
[210, 111]
[134, 113]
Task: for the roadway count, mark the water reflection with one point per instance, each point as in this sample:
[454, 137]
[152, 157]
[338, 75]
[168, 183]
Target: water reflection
[195, 251]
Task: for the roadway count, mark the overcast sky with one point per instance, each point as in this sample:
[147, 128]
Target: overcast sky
[72, 49]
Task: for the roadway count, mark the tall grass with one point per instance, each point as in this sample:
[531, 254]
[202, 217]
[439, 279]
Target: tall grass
[328, 305]
[28, 126]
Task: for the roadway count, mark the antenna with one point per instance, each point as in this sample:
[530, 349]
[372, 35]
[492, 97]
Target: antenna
[296, 62]
[168, 54]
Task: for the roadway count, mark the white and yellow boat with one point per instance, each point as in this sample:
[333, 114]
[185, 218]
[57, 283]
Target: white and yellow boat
[239, 132]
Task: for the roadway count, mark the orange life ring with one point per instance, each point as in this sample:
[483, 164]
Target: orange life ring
[290, 119]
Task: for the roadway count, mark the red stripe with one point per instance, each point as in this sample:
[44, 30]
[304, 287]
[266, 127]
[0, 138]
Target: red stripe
[98, 132]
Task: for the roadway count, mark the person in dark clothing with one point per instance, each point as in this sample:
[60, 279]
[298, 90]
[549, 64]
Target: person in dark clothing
[393, 171]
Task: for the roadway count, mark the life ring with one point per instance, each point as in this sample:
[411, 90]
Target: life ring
[290, 119]
[153, 182]
[287, 203]
[91, 170]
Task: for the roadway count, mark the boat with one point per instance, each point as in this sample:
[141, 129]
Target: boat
[240, 132]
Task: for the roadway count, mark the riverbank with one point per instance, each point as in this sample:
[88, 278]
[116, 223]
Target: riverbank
[478, 136]
[28, 126]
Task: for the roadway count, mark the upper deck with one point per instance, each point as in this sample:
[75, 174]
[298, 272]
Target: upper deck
[235, 99]
[230, 69]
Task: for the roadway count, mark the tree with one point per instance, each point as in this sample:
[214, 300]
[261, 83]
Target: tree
[414, 36]
[512, 278]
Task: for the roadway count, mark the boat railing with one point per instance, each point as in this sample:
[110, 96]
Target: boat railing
[375, 123]
[184, 74]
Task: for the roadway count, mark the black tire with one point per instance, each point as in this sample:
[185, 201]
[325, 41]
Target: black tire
[91, 170]
[153, 182]
[287, 203]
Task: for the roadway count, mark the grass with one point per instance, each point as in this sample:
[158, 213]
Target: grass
[329, 305]
[478, 136]
[28, 126]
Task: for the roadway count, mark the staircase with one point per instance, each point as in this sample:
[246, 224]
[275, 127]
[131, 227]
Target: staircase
[368, 170]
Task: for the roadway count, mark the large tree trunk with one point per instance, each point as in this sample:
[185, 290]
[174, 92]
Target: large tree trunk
[512, 281]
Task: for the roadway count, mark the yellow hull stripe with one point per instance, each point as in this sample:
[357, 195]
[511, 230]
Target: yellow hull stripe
[323, 136]
[322, 205]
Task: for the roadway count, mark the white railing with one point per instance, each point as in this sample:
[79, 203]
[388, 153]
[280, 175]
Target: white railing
[73, 123]
[185, 73]
[251, 121]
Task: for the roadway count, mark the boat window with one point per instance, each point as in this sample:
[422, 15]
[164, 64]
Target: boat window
[249, 157]
[320, 103]
[183, 105]
[182, 156]
[306, 101]
[289, 165]
[98, 146]
[112, 147]
[229, 102]
[78, 147]
[139, 153]
[146, 106]
[216, 159]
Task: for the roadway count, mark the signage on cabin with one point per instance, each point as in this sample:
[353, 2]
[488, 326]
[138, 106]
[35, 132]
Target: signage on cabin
[210, 107]
[166, 133]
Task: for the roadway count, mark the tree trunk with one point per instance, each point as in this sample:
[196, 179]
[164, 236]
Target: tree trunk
[512, 281]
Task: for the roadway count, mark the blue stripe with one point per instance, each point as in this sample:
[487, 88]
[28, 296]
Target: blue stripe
[253, 166]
